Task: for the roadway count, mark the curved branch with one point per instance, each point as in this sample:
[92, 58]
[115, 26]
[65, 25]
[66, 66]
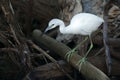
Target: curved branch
[88, 70]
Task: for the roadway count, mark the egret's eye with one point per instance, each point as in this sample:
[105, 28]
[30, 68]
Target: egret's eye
[51, 26]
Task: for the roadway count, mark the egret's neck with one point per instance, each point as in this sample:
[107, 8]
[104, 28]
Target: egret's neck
[65, 29]
[62, 28]
[61, 25]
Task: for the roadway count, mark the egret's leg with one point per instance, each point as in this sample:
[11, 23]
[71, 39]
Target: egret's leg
[70, 53]
[91, 46]
[81, 61]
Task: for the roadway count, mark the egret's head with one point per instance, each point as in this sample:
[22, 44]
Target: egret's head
[52, 24]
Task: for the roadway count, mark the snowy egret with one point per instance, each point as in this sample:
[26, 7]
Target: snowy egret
[82, 23]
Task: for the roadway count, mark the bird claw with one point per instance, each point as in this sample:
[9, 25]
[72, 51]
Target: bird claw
[69, 54]
[80, 62]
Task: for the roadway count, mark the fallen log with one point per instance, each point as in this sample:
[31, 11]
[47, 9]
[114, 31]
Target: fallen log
[99, 62]
[115, 42]
[87, 69]
[50, 71]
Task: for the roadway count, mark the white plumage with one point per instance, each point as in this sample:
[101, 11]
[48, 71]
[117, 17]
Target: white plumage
[83, 24]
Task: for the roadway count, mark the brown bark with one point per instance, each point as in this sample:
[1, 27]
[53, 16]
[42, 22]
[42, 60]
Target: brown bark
[87, 69]
[18, 38]
[50, 71]
[115, 42]
[99, 62]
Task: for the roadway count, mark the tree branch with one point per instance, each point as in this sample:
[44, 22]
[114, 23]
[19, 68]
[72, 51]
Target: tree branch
[87, 69]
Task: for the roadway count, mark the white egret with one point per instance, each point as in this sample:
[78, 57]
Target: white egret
[82, 23]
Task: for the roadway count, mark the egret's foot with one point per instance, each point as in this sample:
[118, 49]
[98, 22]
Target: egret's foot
[81, 61]
[69, 54]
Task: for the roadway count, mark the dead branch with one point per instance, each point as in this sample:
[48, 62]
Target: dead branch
[105, 36]
[114, 42]
[52, 59]
[99, 62]
[50, 71]
[18, 37]
[88, 70]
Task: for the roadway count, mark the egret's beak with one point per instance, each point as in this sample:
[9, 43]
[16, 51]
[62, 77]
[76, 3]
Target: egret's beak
[45, 30]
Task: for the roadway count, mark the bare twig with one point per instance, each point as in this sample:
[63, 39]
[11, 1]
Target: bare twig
[8, 49]
[99, 51]
[105, 37]
[7, 13]
[50, 58]
[18, 37]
